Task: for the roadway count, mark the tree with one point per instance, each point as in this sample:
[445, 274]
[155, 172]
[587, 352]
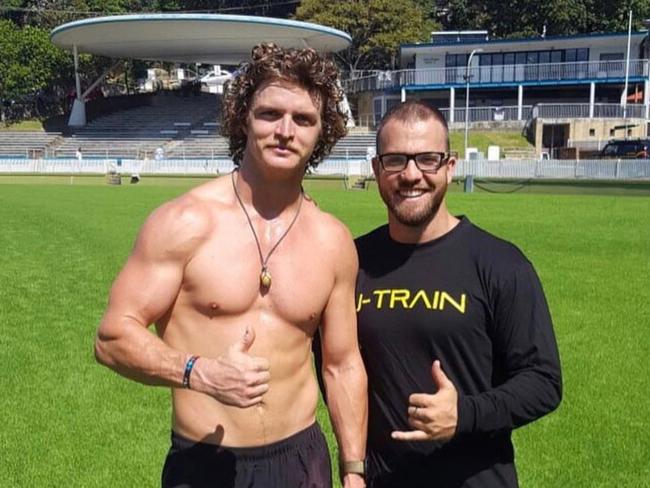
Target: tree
[32, 69]
[523, 18]
[29, 62]
[377, 28]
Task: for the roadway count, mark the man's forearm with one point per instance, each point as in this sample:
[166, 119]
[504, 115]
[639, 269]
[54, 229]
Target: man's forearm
[137, 354]
[347, 401]
[522, 399]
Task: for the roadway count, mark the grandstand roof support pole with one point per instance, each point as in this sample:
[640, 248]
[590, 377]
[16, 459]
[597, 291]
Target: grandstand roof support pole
[452, 104]
[592, 99]
[520, 101]
[78, 112]
[77, 80]
[100, 79]
[403, 94]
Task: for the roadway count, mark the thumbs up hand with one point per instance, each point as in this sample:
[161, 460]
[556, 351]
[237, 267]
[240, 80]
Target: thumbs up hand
[236, 377]
[432, 416]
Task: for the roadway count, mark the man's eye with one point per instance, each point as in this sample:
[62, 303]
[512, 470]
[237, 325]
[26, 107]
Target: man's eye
[268, 114]
[303, 120]
[394, 160]
[428, 161]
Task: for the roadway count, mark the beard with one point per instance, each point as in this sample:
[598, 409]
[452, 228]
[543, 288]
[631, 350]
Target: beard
[414, 216]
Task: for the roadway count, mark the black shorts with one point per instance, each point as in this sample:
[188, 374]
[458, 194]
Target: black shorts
[301, 460]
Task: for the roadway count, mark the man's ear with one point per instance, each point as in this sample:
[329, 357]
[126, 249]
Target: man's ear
[451, 168]
[375, 167]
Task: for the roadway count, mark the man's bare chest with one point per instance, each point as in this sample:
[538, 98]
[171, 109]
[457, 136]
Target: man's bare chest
[223, 278]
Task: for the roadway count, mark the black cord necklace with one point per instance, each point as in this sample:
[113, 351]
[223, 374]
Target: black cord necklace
[265, 275]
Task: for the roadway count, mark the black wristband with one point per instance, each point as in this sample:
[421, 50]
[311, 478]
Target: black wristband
[188, 370]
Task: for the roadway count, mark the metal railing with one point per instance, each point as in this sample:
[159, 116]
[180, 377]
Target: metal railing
[505, 168]
[476, 114]
[582, 110]
[596, 169]
[528, 112]
[583, 71]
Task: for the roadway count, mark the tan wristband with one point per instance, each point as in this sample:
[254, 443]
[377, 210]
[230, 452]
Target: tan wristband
[353, 467]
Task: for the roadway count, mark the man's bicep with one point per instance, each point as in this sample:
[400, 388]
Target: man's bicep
[152, 276]
[145, 289]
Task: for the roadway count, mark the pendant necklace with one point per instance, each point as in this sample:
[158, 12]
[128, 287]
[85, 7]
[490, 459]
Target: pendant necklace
[265, 275]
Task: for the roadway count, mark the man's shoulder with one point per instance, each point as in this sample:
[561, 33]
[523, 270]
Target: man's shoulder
[372, 239]
[491, 248]
[332, 238]
[325, 224]
[180, 224]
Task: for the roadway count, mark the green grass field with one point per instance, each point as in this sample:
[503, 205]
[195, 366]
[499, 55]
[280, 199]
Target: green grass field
[68, 422]
[481, 139]
[25, 125]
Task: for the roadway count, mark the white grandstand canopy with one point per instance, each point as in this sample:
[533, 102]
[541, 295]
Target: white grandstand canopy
[192, 38]
[185, 38]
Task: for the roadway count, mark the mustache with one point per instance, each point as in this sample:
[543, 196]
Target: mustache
[288, 147]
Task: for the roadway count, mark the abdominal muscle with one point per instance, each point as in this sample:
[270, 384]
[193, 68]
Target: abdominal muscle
[289, 405]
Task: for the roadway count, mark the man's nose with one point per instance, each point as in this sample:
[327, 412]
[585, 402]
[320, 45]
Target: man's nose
[411, 172]
[285, 127]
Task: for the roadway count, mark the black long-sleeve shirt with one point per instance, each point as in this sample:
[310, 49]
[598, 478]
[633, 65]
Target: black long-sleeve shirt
[474, 302]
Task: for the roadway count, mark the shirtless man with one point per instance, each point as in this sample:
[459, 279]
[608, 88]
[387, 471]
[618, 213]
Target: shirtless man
[237, 275]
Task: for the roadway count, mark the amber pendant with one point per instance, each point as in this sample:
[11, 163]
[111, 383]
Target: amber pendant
[265, 278]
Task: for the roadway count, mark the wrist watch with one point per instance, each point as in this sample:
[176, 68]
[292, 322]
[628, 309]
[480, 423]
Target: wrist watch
[353, 467]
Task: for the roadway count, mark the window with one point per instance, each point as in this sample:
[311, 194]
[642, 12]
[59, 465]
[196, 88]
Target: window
[612, 64]
[612, 56]
[456, 60]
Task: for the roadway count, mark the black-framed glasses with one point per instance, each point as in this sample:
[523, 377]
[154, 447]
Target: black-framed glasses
[427, 162]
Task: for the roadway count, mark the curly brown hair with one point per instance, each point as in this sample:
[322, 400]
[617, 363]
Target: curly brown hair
[304, 67]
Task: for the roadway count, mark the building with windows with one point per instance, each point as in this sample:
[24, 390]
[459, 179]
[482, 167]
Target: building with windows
[555, 78]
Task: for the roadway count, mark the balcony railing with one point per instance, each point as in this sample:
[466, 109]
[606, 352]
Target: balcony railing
[581, 111]
[511, 113]
[474, 114]
[547, 73]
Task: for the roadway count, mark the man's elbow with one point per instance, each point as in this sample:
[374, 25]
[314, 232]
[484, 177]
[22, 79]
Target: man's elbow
[350, 371]
[556, 393]
[102, 351]
[553, 393]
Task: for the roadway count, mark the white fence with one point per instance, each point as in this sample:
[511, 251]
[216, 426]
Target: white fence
[180, 167]
[504, 168]
[584, 111]
[608, 169]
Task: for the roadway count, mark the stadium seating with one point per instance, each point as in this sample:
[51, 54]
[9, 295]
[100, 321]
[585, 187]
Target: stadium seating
[136, 133]
[30, 145]
[184, 127]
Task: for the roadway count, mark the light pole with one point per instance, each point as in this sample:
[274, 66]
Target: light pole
[627, 73]
[469, 62]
